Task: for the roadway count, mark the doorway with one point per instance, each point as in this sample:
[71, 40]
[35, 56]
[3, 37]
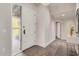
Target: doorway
[16, 26]
[58, 30]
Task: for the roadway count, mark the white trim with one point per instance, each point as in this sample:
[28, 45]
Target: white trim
[48, 43]
[45, 44]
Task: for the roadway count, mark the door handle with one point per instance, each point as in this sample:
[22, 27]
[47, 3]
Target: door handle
[24, 31]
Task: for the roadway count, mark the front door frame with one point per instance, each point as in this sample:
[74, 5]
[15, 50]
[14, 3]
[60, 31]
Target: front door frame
[56, 30]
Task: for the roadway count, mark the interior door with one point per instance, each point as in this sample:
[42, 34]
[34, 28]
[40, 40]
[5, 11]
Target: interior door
[28, 26]
[58, 30]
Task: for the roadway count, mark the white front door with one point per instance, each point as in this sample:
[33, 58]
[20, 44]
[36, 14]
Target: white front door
[28, 26]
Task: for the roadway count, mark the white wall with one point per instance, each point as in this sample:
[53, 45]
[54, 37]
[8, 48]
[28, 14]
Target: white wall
[44, 26]
[5, 29]
[53, 26]
[65, 29]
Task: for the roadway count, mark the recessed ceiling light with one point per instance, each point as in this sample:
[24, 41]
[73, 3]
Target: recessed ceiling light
[63, 15]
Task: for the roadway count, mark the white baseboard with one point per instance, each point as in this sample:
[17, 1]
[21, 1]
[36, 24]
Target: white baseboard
[45, 44]
[48, 43]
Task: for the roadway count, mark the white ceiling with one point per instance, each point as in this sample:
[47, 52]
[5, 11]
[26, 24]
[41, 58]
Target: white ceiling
[62, 10]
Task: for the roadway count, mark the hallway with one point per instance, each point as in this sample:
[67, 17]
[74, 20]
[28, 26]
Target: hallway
[56, 48]
[39, 24]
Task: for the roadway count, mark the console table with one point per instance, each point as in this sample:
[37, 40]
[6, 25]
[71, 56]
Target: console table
[74, 40]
